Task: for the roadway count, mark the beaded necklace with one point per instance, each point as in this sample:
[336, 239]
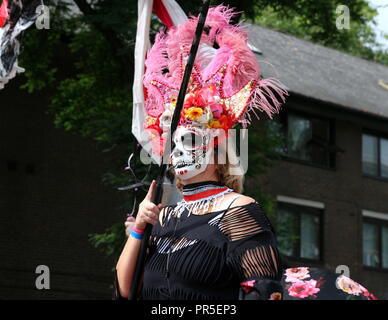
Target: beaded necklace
[200, 198]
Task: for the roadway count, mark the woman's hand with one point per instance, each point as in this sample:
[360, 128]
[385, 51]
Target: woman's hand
[129, 224]
[148, 211]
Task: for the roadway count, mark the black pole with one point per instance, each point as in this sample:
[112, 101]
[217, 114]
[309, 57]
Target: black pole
[157, 196]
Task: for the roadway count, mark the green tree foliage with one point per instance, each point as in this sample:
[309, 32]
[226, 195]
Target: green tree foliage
[85, 60]
[316, 21]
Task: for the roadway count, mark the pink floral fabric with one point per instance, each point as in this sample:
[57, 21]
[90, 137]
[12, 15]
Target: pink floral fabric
[321, 284]
[303, 289]
[352, 287]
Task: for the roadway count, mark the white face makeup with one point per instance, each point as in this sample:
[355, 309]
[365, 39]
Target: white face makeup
[192, 152]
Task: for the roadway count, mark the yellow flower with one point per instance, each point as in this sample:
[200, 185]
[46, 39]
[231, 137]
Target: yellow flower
[193, 113]
[214, 124]
[149, 121]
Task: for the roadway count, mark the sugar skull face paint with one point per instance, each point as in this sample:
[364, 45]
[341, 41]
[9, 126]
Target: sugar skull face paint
[192, 152]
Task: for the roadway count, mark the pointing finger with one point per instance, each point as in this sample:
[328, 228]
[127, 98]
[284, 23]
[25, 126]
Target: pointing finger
[151, 190]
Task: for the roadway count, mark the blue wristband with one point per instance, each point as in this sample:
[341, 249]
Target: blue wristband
[136, 235]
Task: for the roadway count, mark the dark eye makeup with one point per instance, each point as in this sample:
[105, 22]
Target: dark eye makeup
[191, 140]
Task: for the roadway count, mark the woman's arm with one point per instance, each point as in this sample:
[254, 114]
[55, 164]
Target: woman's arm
[252, 255]
[129, 224]
[125, 267]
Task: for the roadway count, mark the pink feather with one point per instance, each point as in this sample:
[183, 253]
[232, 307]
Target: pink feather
[164, 63]
[264, 99]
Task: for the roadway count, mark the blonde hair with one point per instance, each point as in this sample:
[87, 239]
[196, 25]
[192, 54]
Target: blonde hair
[224, 172]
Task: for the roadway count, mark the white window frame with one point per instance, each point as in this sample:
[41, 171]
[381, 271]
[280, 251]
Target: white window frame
[301, 202]
[375, 215]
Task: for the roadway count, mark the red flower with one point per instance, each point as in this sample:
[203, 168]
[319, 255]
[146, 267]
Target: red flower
[155, 126]
[226, 122]
[247, 285]
[189, 101]
[200, 98]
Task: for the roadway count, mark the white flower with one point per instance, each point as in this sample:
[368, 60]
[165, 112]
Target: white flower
[206, 116]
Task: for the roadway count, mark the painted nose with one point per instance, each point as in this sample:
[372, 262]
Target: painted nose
[177, 153]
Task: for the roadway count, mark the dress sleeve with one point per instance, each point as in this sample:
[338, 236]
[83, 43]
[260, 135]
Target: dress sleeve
[252, 255]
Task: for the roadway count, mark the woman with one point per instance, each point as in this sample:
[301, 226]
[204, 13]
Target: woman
[225, 249]
[216, 243]
[208, 254]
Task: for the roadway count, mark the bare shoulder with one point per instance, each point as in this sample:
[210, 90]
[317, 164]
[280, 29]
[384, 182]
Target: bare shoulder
[241, 199]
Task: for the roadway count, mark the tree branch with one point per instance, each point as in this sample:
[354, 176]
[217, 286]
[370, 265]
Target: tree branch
[110, 36]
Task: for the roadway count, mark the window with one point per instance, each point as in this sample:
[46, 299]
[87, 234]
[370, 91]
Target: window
[374, 155]
[375, 240]
[299, 231]
[310, 139]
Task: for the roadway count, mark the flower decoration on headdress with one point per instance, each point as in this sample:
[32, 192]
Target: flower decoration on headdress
[225, 83]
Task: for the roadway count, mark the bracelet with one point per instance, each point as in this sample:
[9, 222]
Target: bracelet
[140, 231]
[136, 235]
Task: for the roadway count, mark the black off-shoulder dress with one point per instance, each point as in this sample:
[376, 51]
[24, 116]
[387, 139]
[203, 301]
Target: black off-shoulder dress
[229, 254]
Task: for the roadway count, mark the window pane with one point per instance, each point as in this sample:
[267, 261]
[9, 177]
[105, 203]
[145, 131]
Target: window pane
[287, 229]
[370, 245]
[320, 142]
[384, 246]
[321, 130]
[384, 157]
[309, 237]
[369, 155]
[299, 137]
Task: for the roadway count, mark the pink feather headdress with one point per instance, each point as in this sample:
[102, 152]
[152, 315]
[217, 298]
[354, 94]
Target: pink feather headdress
[225, 84]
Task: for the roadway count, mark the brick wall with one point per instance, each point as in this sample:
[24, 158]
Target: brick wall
[51, 198]
[344, 191]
